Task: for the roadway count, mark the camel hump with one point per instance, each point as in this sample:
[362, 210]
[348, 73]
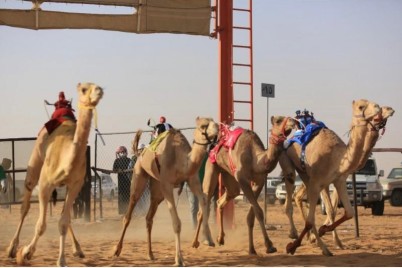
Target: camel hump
[136, 141]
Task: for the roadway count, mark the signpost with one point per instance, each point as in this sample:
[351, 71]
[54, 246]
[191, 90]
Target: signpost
[267, 91]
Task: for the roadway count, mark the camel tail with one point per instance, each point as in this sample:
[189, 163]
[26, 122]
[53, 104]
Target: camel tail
[136, 141]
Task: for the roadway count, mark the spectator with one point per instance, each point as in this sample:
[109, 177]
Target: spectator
[121, 166]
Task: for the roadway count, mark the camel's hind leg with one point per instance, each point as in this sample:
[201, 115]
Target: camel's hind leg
[167, 190]
[31, 180]
[330, 209]
[156, 199]
[26, 253]
[138, 184]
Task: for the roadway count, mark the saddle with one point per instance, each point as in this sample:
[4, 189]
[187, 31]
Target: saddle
[228, 139]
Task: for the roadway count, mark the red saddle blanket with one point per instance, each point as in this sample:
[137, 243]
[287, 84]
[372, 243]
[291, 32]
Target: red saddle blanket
[58, 117]
[227, 139]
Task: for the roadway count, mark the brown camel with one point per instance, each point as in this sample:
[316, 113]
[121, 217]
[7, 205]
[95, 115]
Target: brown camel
[64, 163]
[330, 160]
[244, 167]
[378, 122]
[173, 162]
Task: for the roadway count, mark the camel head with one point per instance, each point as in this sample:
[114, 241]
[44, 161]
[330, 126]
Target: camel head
[281, 128]
[206, 131]
[364, 110]
[89, 95]
[380, 120]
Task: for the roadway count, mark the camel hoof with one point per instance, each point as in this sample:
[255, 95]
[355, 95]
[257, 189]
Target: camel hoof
[209, 243]
[22, 258]
[221, 241]
[79, 254]
[271, 249]
[151, 257]
[196, 244]
[293, 236]
[291, 248]
[12, 251]
[251, 251]
[116, 251]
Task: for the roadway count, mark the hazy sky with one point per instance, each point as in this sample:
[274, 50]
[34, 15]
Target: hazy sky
[321, 55]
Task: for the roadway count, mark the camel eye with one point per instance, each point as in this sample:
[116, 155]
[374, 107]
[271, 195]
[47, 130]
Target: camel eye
[84, 90]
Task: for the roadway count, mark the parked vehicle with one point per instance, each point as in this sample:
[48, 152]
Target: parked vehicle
[272, 182]
[392, 187]
[106, 184]
[368, 187]
[281, 189]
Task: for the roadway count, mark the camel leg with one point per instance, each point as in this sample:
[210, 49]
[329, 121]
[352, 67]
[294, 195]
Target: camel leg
[138, 184]
[31, 180]
[312, 196]
[251, 219]
[209, 184]
[156, 199]
[289, 175]
[77, 251]
[26, 253]
[330, 209]
[259, 214]
[340, 186]
[65, 220]
[167, 190]
[232, 190]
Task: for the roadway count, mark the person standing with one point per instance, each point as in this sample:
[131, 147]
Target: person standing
[121, 167]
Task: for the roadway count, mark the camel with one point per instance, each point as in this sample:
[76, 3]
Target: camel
[378, 122]
[244, 167]
[330, 160]
[63, 163]
[173, 162]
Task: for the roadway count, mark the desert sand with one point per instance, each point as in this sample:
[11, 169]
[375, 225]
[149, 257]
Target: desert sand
[379, 243]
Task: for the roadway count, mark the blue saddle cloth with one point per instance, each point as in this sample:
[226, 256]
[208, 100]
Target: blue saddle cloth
[303, 137]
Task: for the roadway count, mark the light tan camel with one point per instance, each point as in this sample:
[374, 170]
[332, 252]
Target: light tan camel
[34, 169]
[173, 162]
[377, 123]
[244, 167]
[64, 164]
[330, 160]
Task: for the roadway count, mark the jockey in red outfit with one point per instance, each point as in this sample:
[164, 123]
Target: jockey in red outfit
[63, 111]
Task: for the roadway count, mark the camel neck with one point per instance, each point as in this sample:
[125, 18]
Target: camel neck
[271, 156]
[83, 127]
[196, 156]
[354, 149]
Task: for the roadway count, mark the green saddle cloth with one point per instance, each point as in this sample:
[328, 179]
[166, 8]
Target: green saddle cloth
[155, 143]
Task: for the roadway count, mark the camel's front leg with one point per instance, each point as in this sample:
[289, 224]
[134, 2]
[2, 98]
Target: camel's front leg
[26, 253]
[167, 190]
[31, 180]
[259, 214]
[138, 184]
[156, 199]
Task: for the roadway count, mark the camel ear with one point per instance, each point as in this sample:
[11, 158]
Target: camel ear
[197, 119]
[272, 119]
[78, 85]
